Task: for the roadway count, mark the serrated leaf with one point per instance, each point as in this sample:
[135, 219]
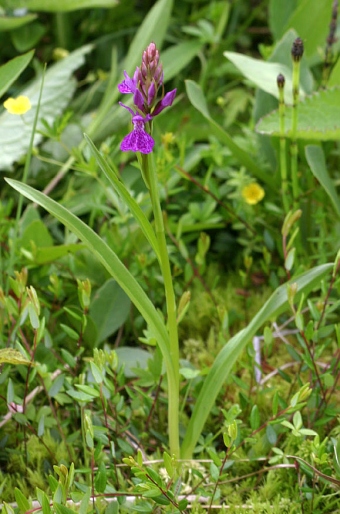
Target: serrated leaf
[11, 356]
[318, 118]
[59, 87]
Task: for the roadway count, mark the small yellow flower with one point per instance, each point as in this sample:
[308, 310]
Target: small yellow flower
[18, 105]
[60, 53]
[168, 138]
[253, 193]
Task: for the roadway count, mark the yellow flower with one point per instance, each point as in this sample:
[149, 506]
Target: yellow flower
[168, 138]
[18, 105]
[253, 193]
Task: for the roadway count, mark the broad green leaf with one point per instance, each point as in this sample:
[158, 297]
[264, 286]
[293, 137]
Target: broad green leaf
[28, 37]
[177, 57]
[311, 21]
[153, 28]
[14, 22]
[59, 86]
[279, 14]
[67, 5]
[264, 74]
[196, 97]
[11, 356]
[316, 160]
[318, 118]
[118, 185]
[111, 262]
[10, 71]
[109, 309]
[132, 358]
[225, 360]
[36, 233]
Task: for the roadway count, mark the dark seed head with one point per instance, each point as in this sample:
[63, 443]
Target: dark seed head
[280, 81]
[297, 49]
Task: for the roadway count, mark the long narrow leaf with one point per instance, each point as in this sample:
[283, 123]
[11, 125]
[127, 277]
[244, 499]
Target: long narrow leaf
[124, 193]
[317, 163]
[109, 259]
[153, 28]
[196, 97]
[227, 357]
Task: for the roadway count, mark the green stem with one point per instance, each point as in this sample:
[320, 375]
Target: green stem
[283, 159]
[62, 29]
[294, 149]
[12, 255]
[172, 374]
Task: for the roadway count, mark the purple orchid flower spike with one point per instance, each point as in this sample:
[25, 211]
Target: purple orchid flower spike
[138, 140]
[147, 89]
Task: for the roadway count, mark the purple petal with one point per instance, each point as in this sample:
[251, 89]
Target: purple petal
[151, 93]
[128, 85]
[165, 102]
[138, 100]
[128, 108]
[137, 141]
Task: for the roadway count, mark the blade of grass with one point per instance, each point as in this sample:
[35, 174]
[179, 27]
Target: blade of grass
[196, 97]
[108, 258]
[128, 199]
[227, 357]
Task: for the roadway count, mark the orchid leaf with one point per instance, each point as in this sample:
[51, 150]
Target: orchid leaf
[118, 185]
[110, 261]
[225, 360]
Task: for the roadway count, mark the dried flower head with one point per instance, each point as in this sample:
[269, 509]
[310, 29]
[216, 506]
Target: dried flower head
[280, 81]
[18, 105]
[297, 49]
[253, 193]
